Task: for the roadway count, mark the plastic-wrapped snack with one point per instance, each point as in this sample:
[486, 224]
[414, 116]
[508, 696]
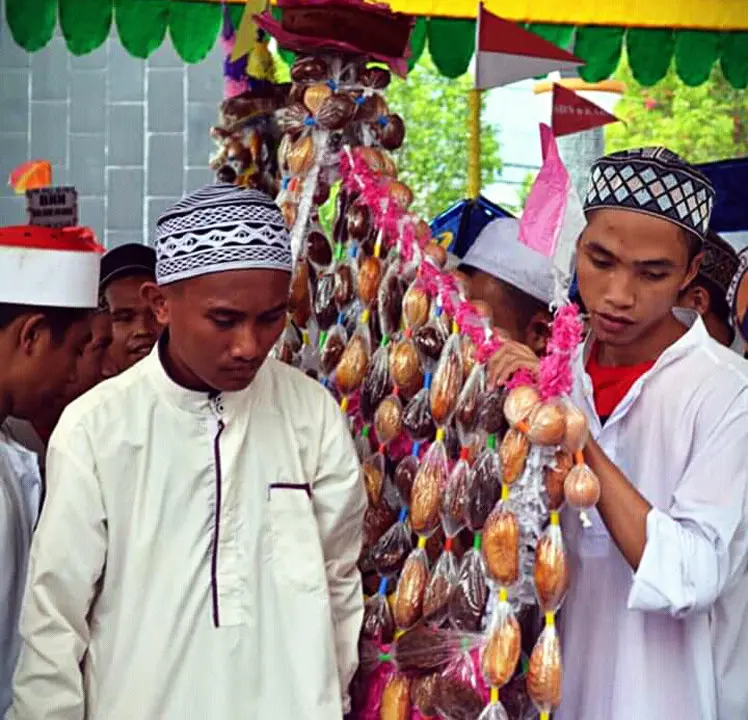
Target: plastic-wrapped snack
[502, 650]
[389, 553]
[417, 419]
[554, 476]
[363, 443]
[325, 309]
[416, 306]
[430, 340]
[378, 623]
[491, 411]
[442, 583]
[547, 424]
[460, 692]
[513, 452]
[359, 221]
[544, 672]
[377, 384]
[469, 359]
[427, 649]
[454, 497]
[288, 345]
[494, 711]
[447, 382]
[388, 419]
[390, 300]
[425, 497]
[374, 474]
[501, 539]
[551, 572]
[395, 703]
[299, 298]
[318, 248]
[333, 348]
[378, 519]
[468, 404]
[484, 486]
[405, 367]
[469, 597]
[423, 692]
[411, 588]
[369, 278]
[405, 474]
[582, 487]
[351, 369]
[577, 429]
[519, 403]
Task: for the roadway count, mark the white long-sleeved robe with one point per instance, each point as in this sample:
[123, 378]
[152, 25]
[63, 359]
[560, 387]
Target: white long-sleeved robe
[197, 556]
[20, 489]
[669, 642]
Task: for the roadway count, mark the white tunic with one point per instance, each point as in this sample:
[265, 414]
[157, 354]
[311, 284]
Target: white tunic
[197, 556]
[20, 488]
[669, 642]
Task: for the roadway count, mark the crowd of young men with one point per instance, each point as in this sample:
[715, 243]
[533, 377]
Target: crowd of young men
[196, 553]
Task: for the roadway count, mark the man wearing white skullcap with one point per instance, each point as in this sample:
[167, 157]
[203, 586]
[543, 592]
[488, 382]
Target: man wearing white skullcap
[197, 556]
[47, 295]
[515, 282]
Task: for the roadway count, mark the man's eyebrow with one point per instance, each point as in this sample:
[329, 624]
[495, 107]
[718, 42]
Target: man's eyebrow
[280, 307]
[598, 248]
[656, 263]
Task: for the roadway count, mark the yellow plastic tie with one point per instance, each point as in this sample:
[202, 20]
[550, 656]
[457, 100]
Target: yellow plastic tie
[440, 434]
[305, 338]
[421, 542]
[545, 716]
[494, 695]
[399, 634]
[555, 520]
[503, 594]
[365, 316]
[455, 327]
[504, 492]
[550, 619]
[344, 403]
[378, 246]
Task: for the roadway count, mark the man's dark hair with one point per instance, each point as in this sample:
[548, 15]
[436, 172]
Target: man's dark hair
[718, 304]
[59, 320]
[694, 243]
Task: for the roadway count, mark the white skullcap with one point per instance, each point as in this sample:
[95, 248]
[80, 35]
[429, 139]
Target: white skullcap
[498, 252]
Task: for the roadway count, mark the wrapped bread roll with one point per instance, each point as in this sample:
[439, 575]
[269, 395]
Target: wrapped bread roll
[577, 429]
[547, 424]
[513, 453]
[374, 468]
[582, 487]
[388, 419]
[551, 572]
[501, 545]
[501, 654]
[416, 306]
[519, 404]
[405, 365]
[425, 497]
[411, 589]
[369, 277]
[352, 366]
[395, 703]
[554, 477]
[445, 388]
[544, 672]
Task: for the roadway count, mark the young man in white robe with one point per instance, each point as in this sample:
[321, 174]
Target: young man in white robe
[655, 623]
[47, 295]
[197, 554]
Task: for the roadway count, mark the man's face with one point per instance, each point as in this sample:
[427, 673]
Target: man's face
[483, 288]
[134, 327]
[50, 368]
[92, 360]
[223, 325]
[631, 268]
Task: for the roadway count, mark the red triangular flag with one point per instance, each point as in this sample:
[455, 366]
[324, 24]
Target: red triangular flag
[572, 113]
[507, 53]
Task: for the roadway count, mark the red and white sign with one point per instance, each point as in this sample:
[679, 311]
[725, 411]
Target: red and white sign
[572, 113]
[508, 53]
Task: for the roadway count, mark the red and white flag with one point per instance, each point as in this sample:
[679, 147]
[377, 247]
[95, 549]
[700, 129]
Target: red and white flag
[507, 53]
[572, 113]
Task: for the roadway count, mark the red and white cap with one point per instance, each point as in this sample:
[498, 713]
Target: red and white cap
[47, 267]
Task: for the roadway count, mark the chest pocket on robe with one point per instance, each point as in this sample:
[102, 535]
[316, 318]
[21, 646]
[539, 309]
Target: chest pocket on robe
[297, 549]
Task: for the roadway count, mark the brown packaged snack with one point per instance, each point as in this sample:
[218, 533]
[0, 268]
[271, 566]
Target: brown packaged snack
[425, 649]
[405, 365]
[321, 191]
[468, 404]
[547, 424]
[289, 211]
[372, 108]
[551, 573]
[469, 597]
[359, 221]
[417, 420]
[336, 112]
[373, 469]
[501, 546]
[390, 301]
[318, 249]
[388, 419]
[501, 654]
[392, 132]
[456, 700]
[582, 487]
[299, 299]
[401, 194]
[429, 339]
[411, 587]
[395, 703]
[484, 488]
[344, 289]
[290, 119]
[300, 156]
[513, 453]
[442, 583]
[468, 356]
[352, 366]
[454, 498]
[447, 383]
[416, 306]
[377, 384]
[405, 474]
[333, 350]
[544, 672]
[371, 156]
[309, 70]
[554, 476]
[377, 520]
[378, 623]
[375, 77]
[389, 553]
[519, 404]
[436, 252]
[491, 411]
[425, 497]
[325, 309]
[315, 95]
[423, 692]
[369, 277]
[577, 429]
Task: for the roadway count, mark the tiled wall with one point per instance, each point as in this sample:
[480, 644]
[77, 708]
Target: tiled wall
[131, 135]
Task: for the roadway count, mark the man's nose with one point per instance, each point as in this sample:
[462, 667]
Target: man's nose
[620, 291]
[245, 345]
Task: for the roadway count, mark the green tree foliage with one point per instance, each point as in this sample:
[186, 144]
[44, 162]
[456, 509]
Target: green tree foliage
[433, 159]
[704, 123]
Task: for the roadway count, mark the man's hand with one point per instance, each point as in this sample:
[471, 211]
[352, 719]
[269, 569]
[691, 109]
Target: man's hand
[509, 358]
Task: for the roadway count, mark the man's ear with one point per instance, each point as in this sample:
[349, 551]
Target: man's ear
[693, 270]
[156, 298]
[538, 332]
[697, 298]
[32, 331]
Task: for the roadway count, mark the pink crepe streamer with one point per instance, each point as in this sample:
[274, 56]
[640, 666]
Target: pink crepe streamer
[555, 375]
[520, 378]
[375, 685]
[232, 88]
[227, 45]
[567, 330]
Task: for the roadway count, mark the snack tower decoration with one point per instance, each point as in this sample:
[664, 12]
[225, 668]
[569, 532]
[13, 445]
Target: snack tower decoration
[462, 538]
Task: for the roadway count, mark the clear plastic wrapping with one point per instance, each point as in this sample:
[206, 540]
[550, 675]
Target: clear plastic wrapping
[440, 587]
[377, 384]
[374, 476]
[405, 367]
[354, 362]
[378, 623]
[468, 405]
[503, 647]
[416, 306]
[411, 589]
[554, 475]
[395, 703]
[333, 348]
[484, 487]
[454, 497]
[388, 419]
[544, 672]
[390, 300]
[447, 382]
[417, 420]
[582, 487]
[513, 452]
[460, 694]
[551, 571]
[429, 483]
[547, 423]
[501, 544]
[389, 553]
[405, 474]
[471, 593]
[519, 403]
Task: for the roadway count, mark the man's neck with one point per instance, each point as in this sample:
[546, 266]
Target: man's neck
[646, 349]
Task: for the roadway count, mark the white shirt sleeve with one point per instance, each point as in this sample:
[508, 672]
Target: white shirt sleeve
[67, 560]
[9, 578]
[339, 504]
[699, 545]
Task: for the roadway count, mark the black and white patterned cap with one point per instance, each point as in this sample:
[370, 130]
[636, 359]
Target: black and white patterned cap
[654, 181]
[218, 228]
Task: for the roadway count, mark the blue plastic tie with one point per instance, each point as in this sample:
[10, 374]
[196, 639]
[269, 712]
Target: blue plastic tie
[309, 121]
[382, 586]
[416, 449]
[427, 381]
[403, 514]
